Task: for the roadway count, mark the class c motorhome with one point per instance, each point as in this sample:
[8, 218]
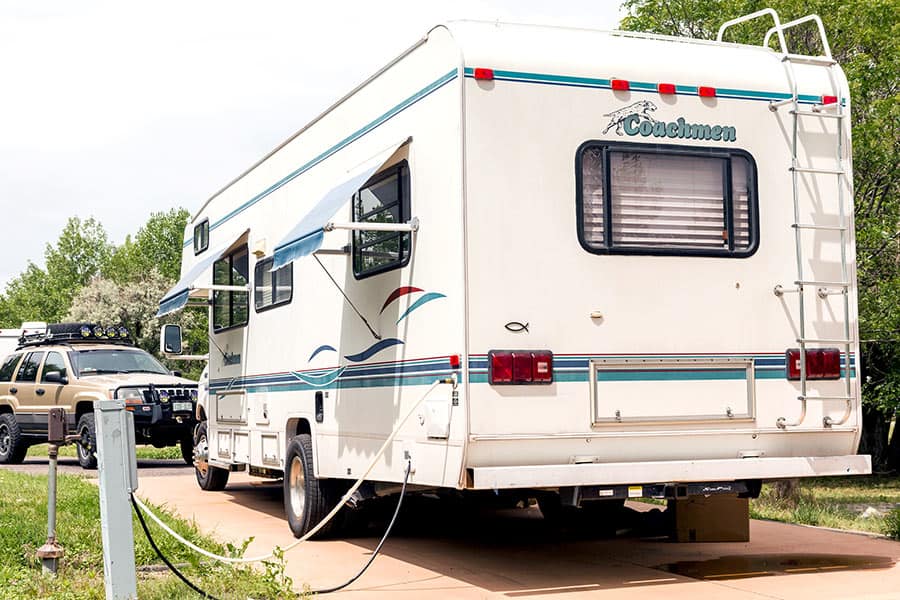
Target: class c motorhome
[620, 264]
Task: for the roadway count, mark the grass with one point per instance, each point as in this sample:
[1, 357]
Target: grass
[23, 522]
[143, 452]
[836, 502]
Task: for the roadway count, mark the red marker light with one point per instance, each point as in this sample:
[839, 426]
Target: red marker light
[484, 74]
[454, 361]
[620, 85]
[666, 88]
[706, 92]
[829, 99]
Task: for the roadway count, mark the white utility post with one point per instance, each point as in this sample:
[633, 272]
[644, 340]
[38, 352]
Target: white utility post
[118, 478]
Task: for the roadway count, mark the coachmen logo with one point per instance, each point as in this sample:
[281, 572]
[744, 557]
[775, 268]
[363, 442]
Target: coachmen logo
[635, 119]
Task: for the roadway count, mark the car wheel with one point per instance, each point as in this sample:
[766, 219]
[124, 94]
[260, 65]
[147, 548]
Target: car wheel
[187, 449]
[86, 448]
[211, 479]
[12, 446]
[307, 500]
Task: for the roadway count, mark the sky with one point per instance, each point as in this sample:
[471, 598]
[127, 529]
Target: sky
[116, 110]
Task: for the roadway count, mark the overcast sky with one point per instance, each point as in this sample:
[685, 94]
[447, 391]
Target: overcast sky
[119, 109]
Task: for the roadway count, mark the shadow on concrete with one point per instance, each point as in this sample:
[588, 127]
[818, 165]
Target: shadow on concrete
[763, 565]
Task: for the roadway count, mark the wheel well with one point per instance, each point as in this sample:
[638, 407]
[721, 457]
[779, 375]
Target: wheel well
[83, 407]
[6, 408]
[296, 427]
[201, 413]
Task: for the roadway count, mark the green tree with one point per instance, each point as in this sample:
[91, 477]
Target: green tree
[865, 40]
[157, 245]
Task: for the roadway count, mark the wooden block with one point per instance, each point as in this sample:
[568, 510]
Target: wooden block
[721, 518]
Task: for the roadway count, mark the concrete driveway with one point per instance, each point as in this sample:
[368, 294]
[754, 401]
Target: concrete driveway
[439, 552]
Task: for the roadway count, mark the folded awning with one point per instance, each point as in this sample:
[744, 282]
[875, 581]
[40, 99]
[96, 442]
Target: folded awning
[306, 237]
[177, 297]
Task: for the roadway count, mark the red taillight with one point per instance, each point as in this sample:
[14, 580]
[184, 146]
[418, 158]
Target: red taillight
[520, 366]
[706, 92]
[829, 99]
[484, 74]
[620, 84]
[821, 363]
[666, 88]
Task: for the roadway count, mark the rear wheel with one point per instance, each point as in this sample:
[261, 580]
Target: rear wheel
[12, 445]
[210, 478]
[86, 449]
[307, 500]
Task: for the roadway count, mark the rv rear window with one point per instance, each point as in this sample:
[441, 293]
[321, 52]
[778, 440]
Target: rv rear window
[272, 288]
[201, 236]
[385, 199]
[231, 308]
[643, 199]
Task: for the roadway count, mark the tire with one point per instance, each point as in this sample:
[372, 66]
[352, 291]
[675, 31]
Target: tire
[86, 448]
[209, 478]
[12, 445]
[307, 500]
[187, 449]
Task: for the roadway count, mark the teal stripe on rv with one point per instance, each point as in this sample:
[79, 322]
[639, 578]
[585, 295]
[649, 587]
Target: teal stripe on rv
[639, 86]
[428, 89]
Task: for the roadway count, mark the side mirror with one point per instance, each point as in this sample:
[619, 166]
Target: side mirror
[170, 339]
[55, 377]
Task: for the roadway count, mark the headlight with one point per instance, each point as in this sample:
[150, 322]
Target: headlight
[130, 395]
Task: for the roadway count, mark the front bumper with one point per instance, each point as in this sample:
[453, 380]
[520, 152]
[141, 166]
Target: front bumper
[675, 471]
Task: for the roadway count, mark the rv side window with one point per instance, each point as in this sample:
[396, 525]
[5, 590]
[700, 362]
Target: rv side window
[201, 236]
[640, 199]
[231, 308]
[272, 288]
[385, 199]
[9, 367]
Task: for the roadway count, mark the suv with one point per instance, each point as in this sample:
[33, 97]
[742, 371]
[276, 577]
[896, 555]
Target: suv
[72, 365]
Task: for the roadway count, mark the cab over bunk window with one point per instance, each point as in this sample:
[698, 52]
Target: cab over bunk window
[384, 199]
[231, 308]
[201, 236]
[272, 288]
[640, 199]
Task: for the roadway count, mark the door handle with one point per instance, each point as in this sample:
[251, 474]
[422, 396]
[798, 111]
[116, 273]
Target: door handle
[13, 390]
[39, 391]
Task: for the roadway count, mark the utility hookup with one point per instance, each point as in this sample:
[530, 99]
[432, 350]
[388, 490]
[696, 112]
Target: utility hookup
[118, 478]
[51, 552]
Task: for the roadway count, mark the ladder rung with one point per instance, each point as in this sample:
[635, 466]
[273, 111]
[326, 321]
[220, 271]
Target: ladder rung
[817, 113]
[822, 227]
[841, 284]
[810, 60]
[817, 170]
[824, 397]
[822, 341]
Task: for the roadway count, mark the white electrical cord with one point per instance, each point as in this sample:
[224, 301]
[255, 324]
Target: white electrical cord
[322, 523]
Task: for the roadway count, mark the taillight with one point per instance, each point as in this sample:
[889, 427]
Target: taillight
[520, 366]
[821, 363]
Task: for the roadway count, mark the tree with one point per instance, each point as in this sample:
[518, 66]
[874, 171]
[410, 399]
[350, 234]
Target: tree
[157, 245]
[865, 39]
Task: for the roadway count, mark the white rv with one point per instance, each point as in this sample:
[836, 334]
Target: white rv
[628, 260]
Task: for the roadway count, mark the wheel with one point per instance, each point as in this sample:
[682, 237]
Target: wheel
[187, 449]
[211, 479]
[12, 446]
[307, 500]
[87, 442]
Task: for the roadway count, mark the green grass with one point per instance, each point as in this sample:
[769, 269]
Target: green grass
[835, 502]
[23, 522]
[171, 452]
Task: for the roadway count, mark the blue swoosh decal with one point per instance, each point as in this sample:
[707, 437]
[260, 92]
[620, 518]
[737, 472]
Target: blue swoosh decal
[319, 380]
[425, 298]
[322, 348]
[373, 350]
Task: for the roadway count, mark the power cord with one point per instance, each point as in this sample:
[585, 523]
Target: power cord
[206, 594]
[375, 552]
[162, 557]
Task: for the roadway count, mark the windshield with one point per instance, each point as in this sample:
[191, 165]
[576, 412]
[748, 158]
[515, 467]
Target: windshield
[130, 360]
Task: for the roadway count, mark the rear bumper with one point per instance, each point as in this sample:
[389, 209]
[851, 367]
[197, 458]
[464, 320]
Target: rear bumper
[676, 471]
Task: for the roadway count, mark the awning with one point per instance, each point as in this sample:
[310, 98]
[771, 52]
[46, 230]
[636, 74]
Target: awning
[177, 297]
[307, 236]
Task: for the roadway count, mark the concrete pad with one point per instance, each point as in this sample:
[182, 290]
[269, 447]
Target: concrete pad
[438, 553]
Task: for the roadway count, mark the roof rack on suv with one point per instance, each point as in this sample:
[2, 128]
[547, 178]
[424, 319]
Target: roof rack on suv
[68, 333]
